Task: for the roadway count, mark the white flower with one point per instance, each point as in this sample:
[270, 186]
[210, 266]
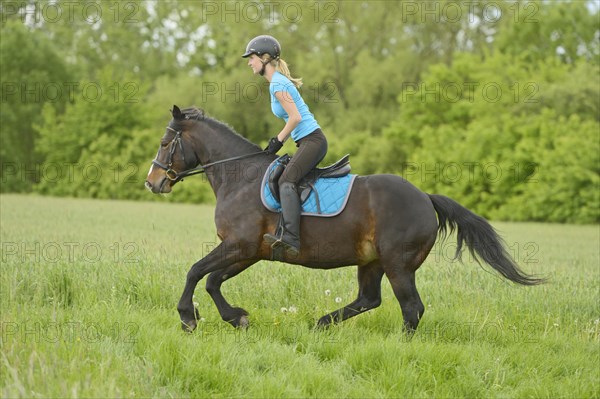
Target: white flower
[284, 310]
[338, 300]
[293, 309]
[327, 292]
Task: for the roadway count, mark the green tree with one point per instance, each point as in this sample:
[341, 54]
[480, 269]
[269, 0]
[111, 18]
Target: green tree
[86, 141]
[536, 30]
[510, 147]
[32, 75]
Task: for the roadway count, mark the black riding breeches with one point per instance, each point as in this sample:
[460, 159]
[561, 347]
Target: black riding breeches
[311, 151]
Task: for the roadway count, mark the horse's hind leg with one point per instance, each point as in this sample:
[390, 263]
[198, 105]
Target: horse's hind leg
[405, 289]
[369, 295]
[400, 262]
[237, 317]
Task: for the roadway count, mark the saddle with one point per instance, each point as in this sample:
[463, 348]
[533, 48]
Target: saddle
[339, 169]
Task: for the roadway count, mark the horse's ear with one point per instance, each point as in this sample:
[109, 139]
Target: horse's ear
[176, 112]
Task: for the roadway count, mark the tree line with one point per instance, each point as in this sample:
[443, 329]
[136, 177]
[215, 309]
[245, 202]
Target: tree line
[494, 103]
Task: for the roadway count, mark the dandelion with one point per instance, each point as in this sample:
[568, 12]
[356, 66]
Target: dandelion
[293, 309]
[284, 310]
[327, 292]
[555, 324]
[202, 320]
[338, 300]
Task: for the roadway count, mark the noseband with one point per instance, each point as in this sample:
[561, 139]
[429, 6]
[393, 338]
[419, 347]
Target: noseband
[175, 176]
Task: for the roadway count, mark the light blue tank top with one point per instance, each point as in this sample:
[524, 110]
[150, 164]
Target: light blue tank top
[308, 124]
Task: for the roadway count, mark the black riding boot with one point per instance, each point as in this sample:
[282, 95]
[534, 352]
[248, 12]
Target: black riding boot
[289, 237]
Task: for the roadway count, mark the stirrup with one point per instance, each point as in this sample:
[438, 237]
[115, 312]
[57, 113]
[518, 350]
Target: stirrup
[278, 244]
[271, 239]
[291, 250]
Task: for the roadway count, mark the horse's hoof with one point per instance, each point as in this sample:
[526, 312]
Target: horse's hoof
[323, 323]
[238, 318]
[241, 322]
[188, 326]
[244, 322]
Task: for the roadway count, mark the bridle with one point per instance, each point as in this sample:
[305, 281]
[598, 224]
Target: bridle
[175, 176]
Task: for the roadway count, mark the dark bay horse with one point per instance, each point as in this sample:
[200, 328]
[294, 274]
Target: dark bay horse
[388, 227]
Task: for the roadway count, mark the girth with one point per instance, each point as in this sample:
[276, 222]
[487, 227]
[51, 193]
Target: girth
[339, 169]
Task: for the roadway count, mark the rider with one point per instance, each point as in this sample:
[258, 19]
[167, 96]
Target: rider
[263, 53]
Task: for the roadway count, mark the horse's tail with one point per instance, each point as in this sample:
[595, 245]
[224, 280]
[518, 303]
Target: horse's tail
[481, 239]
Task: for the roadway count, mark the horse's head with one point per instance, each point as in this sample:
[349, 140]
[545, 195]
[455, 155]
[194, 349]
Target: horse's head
[175, 153]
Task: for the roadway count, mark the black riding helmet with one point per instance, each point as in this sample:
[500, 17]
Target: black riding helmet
[263, 44]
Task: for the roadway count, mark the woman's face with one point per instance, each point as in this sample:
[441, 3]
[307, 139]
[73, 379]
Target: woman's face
[255, 63]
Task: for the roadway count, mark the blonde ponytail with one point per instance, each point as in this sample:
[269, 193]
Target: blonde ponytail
[282, 67]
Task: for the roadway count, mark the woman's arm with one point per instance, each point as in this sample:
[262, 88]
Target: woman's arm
[290, 108]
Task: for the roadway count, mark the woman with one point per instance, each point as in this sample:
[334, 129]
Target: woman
[263, 53]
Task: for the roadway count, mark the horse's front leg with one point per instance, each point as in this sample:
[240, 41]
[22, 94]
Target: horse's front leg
[237, 317]
[223, 256]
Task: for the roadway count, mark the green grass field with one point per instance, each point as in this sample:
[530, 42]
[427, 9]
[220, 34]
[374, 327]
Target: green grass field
[88, 309]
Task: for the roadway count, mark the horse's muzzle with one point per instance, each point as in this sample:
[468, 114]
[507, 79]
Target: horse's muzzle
[164, 187]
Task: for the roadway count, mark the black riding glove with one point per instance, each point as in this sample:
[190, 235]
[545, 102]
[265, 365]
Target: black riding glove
[274, 146]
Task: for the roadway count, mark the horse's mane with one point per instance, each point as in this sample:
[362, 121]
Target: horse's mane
[198, 114]
[194, 113]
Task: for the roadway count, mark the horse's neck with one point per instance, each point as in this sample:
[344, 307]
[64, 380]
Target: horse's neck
[215, 142]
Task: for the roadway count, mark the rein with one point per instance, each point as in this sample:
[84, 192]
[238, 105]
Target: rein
[176, 176]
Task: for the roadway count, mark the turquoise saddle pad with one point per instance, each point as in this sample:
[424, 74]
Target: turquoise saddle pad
[333, 194]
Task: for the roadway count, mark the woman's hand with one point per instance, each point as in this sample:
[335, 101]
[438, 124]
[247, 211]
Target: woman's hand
[274, 146]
